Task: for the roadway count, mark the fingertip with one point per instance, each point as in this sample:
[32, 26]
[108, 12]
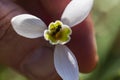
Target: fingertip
[83, 45]
[90, 65]
[57, 10]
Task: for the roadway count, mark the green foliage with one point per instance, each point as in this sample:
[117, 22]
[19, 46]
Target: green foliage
[8, 74]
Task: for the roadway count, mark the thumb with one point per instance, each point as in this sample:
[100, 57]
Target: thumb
[33, 58]
[7, 10]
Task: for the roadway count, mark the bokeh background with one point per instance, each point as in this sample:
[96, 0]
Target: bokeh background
[106, 16]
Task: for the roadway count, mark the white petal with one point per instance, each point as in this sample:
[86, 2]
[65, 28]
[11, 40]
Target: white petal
[28, 26]
[76, 12]
[65, 63]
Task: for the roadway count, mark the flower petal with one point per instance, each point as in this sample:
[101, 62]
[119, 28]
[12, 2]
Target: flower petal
[28, 26]
[76, 12]
[66, 63]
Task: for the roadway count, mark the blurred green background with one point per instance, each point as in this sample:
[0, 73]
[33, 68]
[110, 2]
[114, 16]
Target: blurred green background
[106, 16]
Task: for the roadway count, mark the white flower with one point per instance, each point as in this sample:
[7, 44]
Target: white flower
[30, 26]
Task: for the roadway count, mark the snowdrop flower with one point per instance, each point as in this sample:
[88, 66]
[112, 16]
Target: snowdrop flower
[58, 34]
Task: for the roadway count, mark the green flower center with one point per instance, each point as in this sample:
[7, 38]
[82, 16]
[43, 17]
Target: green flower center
[57, 33]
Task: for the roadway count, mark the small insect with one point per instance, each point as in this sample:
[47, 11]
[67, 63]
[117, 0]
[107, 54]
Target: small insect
[57, 29]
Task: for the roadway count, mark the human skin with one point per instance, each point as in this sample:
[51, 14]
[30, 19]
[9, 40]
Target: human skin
[34, 57]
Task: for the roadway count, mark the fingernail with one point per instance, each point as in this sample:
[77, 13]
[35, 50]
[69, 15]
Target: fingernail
[39, 63]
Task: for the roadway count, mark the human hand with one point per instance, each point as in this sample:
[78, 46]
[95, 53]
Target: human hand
[34, 58]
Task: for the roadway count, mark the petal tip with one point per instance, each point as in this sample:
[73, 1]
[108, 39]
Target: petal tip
[76, 12]
[28, 26]
[65, 63]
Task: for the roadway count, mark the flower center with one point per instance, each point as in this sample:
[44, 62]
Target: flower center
[55, 30]
[57, 33]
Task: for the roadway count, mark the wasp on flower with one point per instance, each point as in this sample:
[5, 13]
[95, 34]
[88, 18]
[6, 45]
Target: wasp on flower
[58, 34]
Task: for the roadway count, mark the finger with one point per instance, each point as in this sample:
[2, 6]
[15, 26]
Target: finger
[29, 57]
[83, 39]
[86, 50]
[58, 9]
[48, 10]
[85, 53]
[83, 45]
[7, 11]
